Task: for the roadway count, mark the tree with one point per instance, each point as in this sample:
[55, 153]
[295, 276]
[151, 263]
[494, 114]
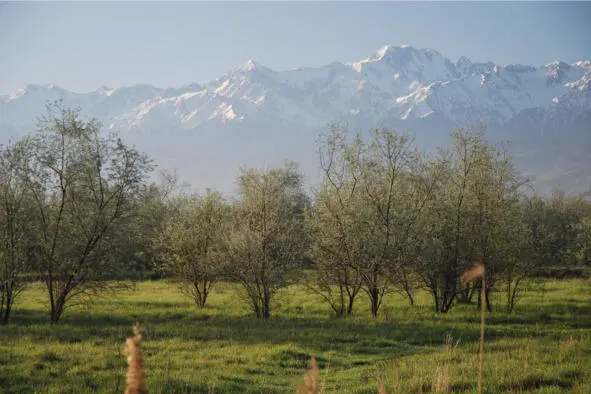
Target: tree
[494, 228]
[386, 176]
[138, 236]
[83, 185]
[17, 222]
[521, 259]
[192, 242]
[584, 250]
[267, 240]
[335, 228]
[468, 217]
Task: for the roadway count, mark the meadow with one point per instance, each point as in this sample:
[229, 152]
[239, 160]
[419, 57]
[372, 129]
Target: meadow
[544, 346]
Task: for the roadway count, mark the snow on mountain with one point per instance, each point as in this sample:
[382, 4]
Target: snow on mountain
[415, 83]
[416, 89]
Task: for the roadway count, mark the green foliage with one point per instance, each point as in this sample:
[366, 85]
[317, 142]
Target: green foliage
[192, 243]
[83, 185]
[469, 217]
[17, 220]
[267, 240]
[369, 207]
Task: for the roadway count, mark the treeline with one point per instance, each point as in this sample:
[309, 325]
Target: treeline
[78, 213]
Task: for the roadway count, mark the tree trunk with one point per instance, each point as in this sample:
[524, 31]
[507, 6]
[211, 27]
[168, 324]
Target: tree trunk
[350, 306]
[449, 294]
[409, 295]
[266, 308]
[435, 294]
[257, 309]
[486, 297]
[513, 296]
[447, 303]
[57, 308]
[464, 295]
[339, 308]
[374, 296]
[509, 288]
[6, 307]
[6, 302]
[201, 293]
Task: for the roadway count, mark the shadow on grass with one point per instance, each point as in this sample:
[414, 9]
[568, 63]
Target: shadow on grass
[355, 336]
[357, 342]
[222, 385]
[564, 382]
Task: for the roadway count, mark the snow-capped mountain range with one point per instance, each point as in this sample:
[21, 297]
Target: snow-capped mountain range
[271, 115]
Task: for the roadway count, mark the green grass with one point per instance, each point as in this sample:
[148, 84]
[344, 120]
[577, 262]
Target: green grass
[223, 349]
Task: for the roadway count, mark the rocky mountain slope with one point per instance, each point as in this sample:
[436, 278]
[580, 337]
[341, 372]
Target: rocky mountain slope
[253, 115]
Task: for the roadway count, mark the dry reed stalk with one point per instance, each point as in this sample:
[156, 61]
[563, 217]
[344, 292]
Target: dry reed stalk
[135, 370]
[477, 271]
[310, 385]
[441, 385]
[381, 389]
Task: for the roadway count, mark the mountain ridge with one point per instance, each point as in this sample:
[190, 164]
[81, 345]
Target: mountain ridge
[397, 86]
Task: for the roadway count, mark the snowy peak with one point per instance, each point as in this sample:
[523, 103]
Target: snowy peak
[401, 55]
[251, 65]
[408, 64]
[252, 113]
[395, 83]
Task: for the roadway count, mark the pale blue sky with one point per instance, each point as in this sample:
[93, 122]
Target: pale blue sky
[81, 46]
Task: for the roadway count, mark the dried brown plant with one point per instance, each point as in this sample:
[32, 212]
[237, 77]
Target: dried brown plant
[310, 385]
[476, 272]
[441, 383]
[381, 389]
[135, 361]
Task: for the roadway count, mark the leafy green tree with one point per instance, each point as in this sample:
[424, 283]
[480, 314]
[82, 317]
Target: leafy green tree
[192, 243]
[17, 224]
[381, 187]
[83, 185]
[138, 236]
[335, 228]
[267, 241]
[468, 217]
[493, 224]
[584, 250]
[520, 254]
[554, 224]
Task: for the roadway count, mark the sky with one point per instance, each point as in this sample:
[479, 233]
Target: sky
[82, 46]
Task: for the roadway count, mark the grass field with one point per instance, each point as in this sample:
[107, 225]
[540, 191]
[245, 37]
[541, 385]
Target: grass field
[544, 346]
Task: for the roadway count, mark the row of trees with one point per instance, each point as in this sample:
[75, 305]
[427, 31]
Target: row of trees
[388, 218]
[78, 213]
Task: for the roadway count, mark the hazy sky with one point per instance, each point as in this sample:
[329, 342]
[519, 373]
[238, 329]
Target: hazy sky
[81, 46]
